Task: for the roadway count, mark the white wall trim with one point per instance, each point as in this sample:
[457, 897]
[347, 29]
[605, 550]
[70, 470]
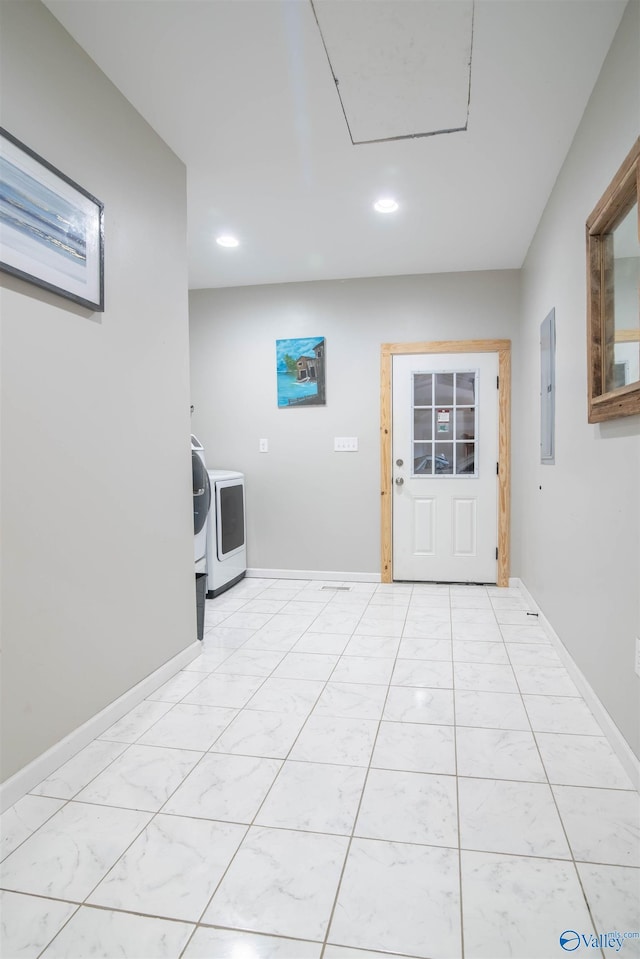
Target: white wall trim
[30, 775]
[315, 574]
[609, 729]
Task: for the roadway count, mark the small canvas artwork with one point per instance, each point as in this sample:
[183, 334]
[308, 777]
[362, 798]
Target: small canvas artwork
[301, 371]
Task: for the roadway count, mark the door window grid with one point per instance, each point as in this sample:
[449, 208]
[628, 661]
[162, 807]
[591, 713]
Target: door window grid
[445, 420]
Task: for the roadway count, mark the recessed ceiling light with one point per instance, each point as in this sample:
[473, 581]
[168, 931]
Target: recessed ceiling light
[385, 204]
[227, 240]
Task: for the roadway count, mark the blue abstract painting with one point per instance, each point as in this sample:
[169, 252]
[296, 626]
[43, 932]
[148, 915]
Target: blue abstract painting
[37, 215]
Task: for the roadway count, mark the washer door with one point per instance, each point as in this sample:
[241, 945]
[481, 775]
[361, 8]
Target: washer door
[201, 493]
[230, 522]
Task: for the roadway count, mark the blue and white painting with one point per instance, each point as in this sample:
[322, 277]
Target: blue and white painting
[300, 365]
[42, 220]
[50, 230]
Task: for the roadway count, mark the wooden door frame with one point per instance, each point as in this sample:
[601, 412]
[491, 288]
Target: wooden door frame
[387, 352]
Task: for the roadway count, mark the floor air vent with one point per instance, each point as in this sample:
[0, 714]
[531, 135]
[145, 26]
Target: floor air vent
[338, 589]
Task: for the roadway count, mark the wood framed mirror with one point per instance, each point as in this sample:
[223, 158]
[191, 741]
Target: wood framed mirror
[613, 296]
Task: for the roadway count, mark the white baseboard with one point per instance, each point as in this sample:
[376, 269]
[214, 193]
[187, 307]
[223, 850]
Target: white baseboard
[610, 730]
[29, 776]
[324, 575]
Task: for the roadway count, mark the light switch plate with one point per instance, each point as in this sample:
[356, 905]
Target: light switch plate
[345, 444]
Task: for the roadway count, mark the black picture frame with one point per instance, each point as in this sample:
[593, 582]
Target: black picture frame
[51, 229]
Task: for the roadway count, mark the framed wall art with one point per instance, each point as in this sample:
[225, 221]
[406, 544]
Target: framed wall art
[300, 365]
[51, 230]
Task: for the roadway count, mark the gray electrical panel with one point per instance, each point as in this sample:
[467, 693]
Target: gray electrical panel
[548, 389]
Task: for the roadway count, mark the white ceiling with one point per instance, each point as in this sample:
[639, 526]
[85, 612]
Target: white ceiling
[243, 92]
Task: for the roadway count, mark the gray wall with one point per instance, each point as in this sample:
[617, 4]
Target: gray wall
[309, 508]
[577, 538]
[97, 555]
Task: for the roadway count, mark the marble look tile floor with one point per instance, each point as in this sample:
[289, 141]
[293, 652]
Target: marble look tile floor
[379, 770]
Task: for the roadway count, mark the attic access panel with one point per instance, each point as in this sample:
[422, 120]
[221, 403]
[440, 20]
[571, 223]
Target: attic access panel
[402, 69]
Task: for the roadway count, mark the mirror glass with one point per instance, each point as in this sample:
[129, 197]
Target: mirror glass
[625, 368]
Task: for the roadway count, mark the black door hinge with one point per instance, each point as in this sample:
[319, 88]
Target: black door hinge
[497, 469]
[497, 382]
[496, 552]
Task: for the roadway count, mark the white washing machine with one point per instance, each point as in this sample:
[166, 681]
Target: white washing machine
[226, 531]
[201, 503]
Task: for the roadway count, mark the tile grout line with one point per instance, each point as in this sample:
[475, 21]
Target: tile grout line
[257, 812]
[197, 923]
[561, 820]
[362, 792]
[458, 817]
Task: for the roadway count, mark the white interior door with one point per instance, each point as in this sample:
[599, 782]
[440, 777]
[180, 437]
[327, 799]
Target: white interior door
[445, 454]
